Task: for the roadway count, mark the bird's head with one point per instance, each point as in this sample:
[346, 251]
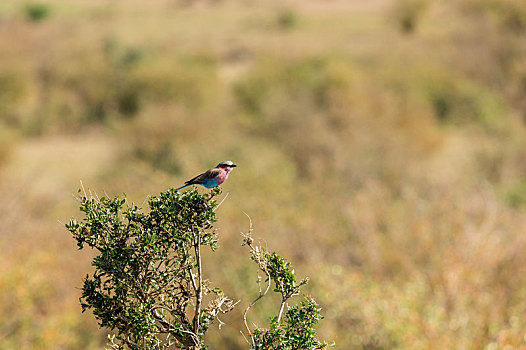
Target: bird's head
[227, 165]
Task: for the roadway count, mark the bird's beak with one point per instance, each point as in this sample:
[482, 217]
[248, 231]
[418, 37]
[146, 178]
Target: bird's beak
[233, 165]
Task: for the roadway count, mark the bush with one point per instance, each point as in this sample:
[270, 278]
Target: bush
[148, 287]
[7, 142]
[516, 194]
[287, 19]
[408, 14]
[509, 14]
[36, 12]
[12, 94]
[459, 101]
[189, 81]
[286, 101]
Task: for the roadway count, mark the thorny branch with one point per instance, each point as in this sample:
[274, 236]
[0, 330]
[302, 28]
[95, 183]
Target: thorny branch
[258, 257]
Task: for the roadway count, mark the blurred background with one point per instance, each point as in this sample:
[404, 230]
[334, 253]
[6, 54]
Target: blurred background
[381, 148]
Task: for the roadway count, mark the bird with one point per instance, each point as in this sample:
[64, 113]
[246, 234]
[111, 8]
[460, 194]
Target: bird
[212, 177]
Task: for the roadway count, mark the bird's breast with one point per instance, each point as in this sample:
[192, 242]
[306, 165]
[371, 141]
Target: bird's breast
[221, 177]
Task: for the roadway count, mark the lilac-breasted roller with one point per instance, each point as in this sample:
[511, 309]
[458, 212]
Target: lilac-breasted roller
[212, 177]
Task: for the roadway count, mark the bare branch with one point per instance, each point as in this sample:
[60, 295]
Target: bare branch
[261, 295]
[256, 253]
[199, 290]
[222, 201]
[283, 301]
[168, 328]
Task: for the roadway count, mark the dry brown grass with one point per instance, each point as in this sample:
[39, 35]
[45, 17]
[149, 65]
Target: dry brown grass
[387, 165]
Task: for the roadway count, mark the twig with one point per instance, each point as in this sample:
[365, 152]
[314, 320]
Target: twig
[243, 334]
[250, 229]
[249, 240]
[261, 295]
[144, 201]
[222, 200]
[170, 329]
[193, 280]
[83, 189]
[283, 301]
[199, 294]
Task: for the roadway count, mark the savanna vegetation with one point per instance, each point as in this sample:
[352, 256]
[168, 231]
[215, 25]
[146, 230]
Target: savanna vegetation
[148, 287]
[381, 148]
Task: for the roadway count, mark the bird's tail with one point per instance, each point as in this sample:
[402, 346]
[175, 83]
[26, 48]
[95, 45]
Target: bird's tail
[180, 188]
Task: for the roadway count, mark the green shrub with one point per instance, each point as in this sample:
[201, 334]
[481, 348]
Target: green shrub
[509, 14]
[309, 81]
[286, 101]
[408, 14]
[287, 19]
[297, 330]
[104, 83]
[148, 286]
[13, 88]
[36, 11]
[7, 141]
[189, 81]
[516, 194]
[459, 101]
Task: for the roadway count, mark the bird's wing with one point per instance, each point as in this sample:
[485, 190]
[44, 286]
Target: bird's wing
[211, 173]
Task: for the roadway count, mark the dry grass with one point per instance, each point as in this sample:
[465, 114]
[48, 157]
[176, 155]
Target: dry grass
[388, 164]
